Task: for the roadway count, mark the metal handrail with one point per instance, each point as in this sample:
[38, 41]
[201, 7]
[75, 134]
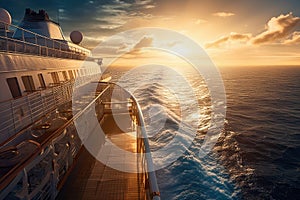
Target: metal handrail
[155, 194]
[149, 173]
[16, 170]
[7, 178]
[152, 179]
[58, 46]
[44, 37]
[48, 103]
[69, 53]
[35, 106]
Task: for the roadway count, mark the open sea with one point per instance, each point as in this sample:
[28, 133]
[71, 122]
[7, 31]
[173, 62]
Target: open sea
[257, 155]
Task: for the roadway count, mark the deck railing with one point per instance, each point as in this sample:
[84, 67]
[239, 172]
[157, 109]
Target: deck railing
[48, 157]
[38, 44]
[16, 114]
[147, 174]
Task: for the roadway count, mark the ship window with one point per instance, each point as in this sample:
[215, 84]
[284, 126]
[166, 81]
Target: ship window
[14, 87]
[28, 83]
[55, 77]
[65, 75]
[42, 81]
[71, 75]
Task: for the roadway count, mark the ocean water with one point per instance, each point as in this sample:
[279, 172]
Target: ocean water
[264, 121]
[257, 155]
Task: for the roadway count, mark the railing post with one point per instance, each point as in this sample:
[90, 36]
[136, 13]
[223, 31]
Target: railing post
[57, 49]
[12, 115]
[5, 35]
[5, 29]
[23, 38]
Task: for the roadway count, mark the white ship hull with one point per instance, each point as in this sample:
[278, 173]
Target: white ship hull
[39, 128]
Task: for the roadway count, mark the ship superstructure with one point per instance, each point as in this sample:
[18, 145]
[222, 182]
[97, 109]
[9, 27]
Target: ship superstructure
[39, 144]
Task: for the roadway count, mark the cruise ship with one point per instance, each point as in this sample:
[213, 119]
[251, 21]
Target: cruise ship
[42, 154]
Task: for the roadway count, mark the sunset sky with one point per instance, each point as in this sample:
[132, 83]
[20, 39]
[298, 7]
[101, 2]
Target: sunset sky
[234, 33]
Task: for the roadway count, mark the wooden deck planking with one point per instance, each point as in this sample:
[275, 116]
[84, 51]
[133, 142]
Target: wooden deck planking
[91, 179]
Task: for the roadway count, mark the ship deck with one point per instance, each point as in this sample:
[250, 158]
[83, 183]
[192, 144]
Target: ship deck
[91, 179]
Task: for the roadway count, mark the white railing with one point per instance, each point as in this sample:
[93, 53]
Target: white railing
[147, 175]
[42, 169]
[16, 114]
[145, 158]
[38, 44]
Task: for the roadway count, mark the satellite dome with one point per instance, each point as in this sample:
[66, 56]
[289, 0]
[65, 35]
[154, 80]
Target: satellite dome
[76, 37]
[4, 17]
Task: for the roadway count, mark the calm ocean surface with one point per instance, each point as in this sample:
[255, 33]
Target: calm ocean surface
[258, 153]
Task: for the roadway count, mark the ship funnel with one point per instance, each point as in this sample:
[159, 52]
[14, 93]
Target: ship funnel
[76, 37]
[4, 17]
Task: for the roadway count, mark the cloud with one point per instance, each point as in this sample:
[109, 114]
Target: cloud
[277, 28]
[93, 17]
[149, 6]
[227, 39]
[200, 21]
[118, 45]
[143, 2]
[295, 38]
[90, 42]
[146, 41]
[106, 51]
[223, 14]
